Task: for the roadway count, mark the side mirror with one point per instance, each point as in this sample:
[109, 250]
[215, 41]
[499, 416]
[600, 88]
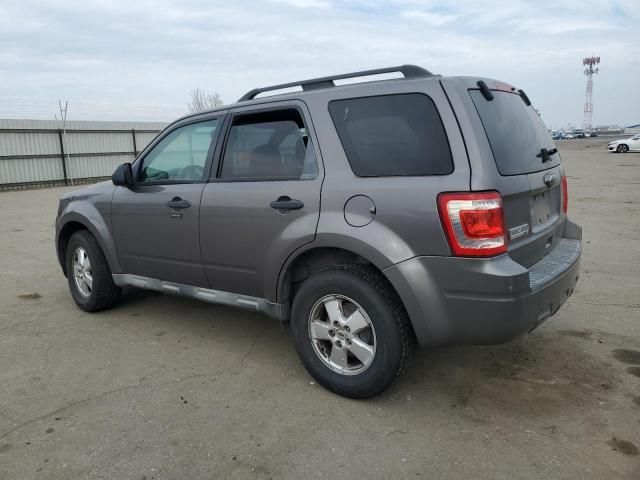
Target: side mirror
[123, 176]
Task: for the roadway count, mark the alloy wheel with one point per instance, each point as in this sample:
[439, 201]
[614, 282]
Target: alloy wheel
[342, 334]
[82, 272]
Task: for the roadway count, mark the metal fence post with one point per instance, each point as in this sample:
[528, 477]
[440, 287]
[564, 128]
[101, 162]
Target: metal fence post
[64, 162]
[135, 147]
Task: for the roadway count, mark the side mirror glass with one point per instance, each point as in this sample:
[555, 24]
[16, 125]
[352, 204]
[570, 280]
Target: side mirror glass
[123, 176]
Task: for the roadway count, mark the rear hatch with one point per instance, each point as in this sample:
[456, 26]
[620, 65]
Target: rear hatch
[529, 170]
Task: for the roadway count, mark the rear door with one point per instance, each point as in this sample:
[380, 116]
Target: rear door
[264, 201]
[512, 151]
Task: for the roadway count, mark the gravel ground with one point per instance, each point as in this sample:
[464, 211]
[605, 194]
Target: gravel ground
[165, 388]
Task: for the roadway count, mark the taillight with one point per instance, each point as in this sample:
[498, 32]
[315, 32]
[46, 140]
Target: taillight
[565, 194]
[474, 223]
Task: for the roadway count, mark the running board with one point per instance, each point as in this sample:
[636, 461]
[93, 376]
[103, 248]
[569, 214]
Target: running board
[278, 311]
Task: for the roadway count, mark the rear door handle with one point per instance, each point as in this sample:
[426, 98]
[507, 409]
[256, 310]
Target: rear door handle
[287, 203]
[177, 202]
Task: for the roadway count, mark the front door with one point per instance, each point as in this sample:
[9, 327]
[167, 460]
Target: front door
[155, 223]
[264, 202]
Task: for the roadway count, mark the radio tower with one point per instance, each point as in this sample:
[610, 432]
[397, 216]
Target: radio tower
[589, 71]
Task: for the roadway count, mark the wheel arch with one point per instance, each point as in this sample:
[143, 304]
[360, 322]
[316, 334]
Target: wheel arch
[305, 262]
[73, 222]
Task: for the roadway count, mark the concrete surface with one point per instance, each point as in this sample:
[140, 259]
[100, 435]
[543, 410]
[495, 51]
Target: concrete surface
[167, 388]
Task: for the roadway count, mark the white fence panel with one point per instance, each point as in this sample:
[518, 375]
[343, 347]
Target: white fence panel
[143, 139]
[30, 152]
[29, 143]
[89, 142]
[27, 170]
[95, 167]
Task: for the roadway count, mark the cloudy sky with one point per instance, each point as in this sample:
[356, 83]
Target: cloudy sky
[138, 59]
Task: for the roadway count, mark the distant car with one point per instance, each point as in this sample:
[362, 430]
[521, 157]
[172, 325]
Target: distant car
[593, 134]
[631, 144]
[567, 136]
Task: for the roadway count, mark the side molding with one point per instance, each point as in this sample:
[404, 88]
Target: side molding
[279, 311]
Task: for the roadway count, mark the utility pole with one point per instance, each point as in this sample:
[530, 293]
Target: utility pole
[590, 71]
[63, 142]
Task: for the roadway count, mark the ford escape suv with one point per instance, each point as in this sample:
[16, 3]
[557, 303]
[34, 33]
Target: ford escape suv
[370, 216]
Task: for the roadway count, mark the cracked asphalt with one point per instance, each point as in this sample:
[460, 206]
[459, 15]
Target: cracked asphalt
[165, 388]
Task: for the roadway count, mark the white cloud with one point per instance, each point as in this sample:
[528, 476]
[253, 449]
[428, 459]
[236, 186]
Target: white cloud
[144, 52]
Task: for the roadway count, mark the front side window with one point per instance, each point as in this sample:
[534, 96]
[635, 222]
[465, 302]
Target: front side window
[272, 145]
[392, 135]
[181, 155]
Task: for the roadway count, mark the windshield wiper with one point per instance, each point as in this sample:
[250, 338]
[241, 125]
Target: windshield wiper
[546, 154]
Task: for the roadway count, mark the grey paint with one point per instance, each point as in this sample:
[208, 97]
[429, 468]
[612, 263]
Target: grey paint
[255, 304]
[154, 240]
[359, 211]
[516, 190]
[245, 241]
[232, 243]
[90, 207]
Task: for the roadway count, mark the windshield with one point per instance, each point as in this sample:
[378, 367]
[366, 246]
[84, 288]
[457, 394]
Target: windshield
[516, 133]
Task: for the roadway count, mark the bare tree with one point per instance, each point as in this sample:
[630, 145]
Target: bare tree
[201, 100]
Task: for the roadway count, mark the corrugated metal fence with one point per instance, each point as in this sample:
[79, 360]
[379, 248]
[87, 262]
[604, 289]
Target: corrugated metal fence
[38, 152]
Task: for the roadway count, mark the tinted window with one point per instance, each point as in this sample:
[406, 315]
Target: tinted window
[516, 133]
[392, 135]
[269, 146]
[181, 155]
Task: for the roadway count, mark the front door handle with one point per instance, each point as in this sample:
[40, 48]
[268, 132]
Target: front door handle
[177, 202]
[286, 203]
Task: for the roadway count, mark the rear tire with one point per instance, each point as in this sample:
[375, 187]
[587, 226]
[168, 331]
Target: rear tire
[88, 274]
[380, 333]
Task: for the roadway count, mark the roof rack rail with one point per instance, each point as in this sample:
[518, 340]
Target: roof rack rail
[409, 71]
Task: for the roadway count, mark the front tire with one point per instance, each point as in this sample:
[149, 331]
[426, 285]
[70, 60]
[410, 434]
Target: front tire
[622, 148]
[88, 274]
[351, 330]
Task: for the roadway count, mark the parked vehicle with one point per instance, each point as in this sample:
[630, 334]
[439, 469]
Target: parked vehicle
[580, 134]
[631, 144]
[368, 216]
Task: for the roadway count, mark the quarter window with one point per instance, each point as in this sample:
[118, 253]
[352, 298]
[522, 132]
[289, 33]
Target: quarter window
[272, 145]
[181, 155]
[392, 135]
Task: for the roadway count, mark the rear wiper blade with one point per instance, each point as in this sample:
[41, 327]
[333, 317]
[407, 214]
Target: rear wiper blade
[546, 154]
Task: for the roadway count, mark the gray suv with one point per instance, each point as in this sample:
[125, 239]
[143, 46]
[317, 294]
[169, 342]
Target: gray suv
[370, 216]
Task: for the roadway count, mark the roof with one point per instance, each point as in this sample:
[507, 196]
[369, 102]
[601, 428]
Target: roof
[409, 72]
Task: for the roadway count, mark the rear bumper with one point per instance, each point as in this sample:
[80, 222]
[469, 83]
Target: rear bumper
[484, 301]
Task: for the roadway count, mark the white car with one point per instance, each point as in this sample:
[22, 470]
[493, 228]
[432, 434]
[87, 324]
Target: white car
[631, 144]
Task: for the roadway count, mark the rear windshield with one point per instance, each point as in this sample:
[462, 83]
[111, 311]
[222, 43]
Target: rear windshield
[392, 135]
[516, 133]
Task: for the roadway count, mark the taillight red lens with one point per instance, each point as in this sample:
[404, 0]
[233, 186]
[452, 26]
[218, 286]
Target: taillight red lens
[474, 223]
[482, 223]
[565, 194]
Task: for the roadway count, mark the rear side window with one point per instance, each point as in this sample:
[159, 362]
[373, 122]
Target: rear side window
[516, 133]
[392, 135]
[272, 145]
